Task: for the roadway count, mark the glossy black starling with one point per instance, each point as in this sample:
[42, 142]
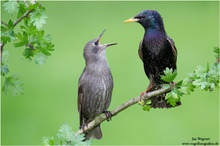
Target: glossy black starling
[95, 86]
[157, 51]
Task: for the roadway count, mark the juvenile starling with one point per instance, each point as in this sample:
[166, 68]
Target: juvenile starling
[157, 51]
[95, 86]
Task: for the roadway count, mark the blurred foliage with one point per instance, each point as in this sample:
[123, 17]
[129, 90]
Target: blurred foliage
[37, 46]
[66, 138]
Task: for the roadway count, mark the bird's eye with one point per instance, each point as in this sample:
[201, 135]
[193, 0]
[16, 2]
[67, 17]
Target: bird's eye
[96, 43]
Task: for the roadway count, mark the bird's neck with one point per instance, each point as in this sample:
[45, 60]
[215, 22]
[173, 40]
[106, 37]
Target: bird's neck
[154, 37]
[99, 66]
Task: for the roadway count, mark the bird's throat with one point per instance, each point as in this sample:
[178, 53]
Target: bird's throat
[154, 38]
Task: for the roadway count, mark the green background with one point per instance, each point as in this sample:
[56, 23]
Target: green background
[50, 98]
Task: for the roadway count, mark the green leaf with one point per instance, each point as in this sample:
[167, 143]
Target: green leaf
[10, 25]
[40, 58]
[79, 138]
[166, 86]
[174, 95]
[172, 100]
[148, 101]
[169, 75]
[4, 64]
[21, 11]
[38, 18]
[177, 92]
[4, 69]
[34, 6]
[28, 53]
[146, 107]
[48, 141]
[11, 6]
[67, 138]
[7, 33]
[217, 51]
[168, 95]
[141, 102]
[187, 86]
[5, 56]
[65, 133]
[179, 83]
[13, 86]
[30, 29]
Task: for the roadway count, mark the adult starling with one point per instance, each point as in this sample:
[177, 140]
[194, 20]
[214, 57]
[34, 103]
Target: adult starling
[95, 86]
[157, 51]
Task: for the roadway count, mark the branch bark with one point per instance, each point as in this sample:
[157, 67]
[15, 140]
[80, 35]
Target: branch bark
[22, 17]
[98, 120]
[3, 23]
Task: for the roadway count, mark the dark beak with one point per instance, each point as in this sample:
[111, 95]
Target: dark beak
[100, 36]
[111, 44]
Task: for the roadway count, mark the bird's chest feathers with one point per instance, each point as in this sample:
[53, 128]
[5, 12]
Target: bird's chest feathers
[153, 43]
[98, 70]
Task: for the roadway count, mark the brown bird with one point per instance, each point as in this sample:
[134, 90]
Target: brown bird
[157, 52]
[95, 86]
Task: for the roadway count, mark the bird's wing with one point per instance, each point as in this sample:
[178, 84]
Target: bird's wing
[140, 50]
[174, 50]
[80, 96]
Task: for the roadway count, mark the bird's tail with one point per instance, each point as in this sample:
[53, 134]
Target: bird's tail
[95, 133]
[160, 102]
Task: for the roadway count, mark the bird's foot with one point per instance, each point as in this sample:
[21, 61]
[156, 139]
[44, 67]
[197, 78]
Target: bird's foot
[108, 115]
[142, 93]
[83, 126]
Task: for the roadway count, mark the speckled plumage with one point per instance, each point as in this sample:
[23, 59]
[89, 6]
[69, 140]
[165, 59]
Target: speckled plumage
[157, 51]
[95, 85]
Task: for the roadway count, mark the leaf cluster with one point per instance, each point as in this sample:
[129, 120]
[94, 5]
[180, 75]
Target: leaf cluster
[66, 138]
[37, 46]
[206, 78]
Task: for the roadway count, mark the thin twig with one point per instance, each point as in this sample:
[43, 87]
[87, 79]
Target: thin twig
[22, 17]
[3, 23]
[26, 3]
[1, 46]
[98, 120]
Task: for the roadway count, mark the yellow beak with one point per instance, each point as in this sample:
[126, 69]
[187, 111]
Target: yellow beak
[131, 20]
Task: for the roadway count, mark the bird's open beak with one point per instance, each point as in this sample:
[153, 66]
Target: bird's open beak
[131, 20]
[100, 36]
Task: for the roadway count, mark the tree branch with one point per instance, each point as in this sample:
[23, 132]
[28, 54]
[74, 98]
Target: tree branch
[1, 47]
[15, 23]
[22, 17]
[98, 120]
[3, 23]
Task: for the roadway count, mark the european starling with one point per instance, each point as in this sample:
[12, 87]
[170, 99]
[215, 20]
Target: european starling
[157, 52]
[95, 86]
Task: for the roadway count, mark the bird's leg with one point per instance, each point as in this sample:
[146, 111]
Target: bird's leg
[149, 88]
[108, 115]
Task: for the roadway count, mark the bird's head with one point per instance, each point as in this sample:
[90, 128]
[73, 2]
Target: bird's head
[94, 50]
[148, 19]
